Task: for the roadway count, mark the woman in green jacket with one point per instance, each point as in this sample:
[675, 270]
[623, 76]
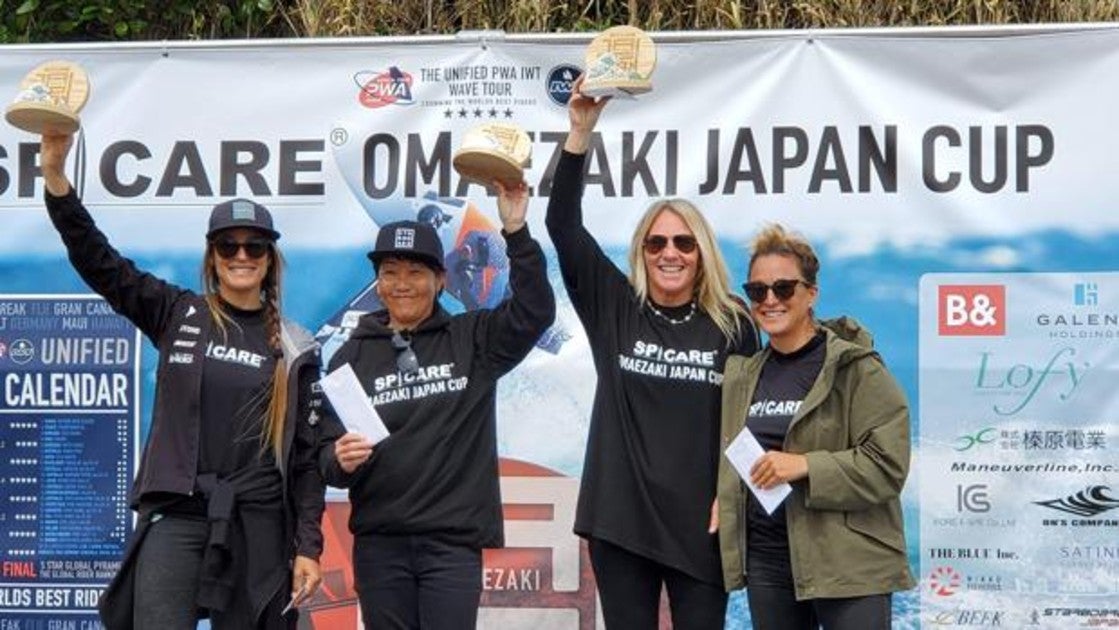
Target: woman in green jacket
[835, 426]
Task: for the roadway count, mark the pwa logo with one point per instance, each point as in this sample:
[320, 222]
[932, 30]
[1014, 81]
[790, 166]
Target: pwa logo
[391, 87]
[972, 310]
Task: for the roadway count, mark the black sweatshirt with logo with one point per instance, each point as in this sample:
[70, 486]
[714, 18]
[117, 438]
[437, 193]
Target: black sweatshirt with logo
[653, 448]
[436, 474]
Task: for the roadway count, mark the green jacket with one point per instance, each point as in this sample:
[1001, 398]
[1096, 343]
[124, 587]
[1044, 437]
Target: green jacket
[844, 520]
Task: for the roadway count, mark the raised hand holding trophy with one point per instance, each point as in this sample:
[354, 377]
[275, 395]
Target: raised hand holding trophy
[619, 62]
[50, 97]
[493, 151]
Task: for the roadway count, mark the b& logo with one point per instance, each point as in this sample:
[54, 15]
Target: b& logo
[975, 310]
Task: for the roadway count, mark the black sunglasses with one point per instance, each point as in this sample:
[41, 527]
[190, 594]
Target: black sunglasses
[782, 289]
[254, 247]
[684, 243]
[406, 360]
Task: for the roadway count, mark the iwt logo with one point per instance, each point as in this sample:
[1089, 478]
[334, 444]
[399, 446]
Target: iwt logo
[975, 310]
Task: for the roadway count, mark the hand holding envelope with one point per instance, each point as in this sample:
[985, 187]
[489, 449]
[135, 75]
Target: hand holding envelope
[744, 451]
[357, 414]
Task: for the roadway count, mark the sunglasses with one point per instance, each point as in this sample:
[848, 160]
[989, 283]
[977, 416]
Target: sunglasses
[406, 360]
[782, 289]
[254, 248]
[684, 243]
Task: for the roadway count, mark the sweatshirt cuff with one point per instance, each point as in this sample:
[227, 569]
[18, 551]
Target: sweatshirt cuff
[518, 239]
[71, 196]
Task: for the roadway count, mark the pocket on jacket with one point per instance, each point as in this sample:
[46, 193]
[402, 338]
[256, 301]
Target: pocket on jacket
[875, 524]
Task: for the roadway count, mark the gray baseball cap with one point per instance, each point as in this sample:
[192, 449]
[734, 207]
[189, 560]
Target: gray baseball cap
[241, 213]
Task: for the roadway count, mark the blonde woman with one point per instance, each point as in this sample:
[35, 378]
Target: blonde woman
[232, 447]
[659, 339]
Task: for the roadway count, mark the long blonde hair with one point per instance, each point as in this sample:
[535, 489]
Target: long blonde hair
[272, 433]
[712, 285]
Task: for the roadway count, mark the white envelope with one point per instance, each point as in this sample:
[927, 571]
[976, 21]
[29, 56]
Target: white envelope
[352, 405]
[743, 451]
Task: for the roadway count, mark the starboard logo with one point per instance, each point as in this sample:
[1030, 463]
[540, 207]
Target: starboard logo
[975, 310]
[379, 89]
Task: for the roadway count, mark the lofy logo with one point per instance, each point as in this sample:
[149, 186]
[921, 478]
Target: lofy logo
[1026, 380]
[980, 437]
[973, 498]
[21, 351]
[392, 87]
[944, 581]
[976, 310]
[1085, 294]
[559, 83]
[1089, 502]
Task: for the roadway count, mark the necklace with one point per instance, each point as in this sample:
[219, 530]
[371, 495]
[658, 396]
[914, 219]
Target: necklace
[675, 322]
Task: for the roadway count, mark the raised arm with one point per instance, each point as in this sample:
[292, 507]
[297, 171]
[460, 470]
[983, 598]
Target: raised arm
[141, 297]
[510, 330]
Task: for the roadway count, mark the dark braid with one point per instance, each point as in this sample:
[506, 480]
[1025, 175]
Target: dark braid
[272, 433]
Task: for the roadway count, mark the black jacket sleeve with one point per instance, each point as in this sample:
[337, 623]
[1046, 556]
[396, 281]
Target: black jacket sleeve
[591, 279]
[308, 489]
[141, 297]
[508, 332]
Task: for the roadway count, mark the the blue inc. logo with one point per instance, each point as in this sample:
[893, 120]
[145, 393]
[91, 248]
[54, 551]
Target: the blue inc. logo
[1086, 294]
[558, 82]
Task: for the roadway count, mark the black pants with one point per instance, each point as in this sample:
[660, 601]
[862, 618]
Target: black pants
[776, 608]
[629, 587]
[167, 574]
[416, 582]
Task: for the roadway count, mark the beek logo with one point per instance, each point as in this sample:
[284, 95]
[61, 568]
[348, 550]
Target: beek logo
[975, 310]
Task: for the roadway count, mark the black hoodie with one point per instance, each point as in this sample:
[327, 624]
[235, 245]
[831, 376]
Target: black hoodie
[436, 473]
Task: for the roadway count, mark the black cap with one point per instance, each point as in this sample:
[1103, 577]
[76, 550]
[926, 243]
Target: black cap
[241, 213]
[408, 239]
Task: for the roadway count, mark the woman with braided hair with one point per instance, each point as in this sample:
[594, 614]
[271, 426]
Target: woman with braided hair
[232, 443]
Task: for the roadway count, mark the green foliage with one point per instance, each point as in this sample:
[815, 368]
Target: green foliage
[116, 20]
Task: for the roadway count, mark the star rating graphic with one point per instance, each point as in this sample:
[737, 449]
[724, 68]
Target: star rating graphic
[492, 112]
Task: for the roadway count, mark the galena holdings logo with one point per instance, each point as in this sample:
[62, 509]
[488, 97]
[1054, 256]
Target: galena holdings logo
[974, 310]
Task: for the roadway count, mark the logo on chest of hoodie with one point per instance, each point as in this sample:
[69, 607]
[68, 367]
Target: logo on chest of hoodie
[234, 355]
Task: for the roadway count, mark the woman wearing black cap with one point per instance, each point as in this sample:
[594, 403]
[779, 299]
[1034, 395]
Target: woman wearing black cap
[426, 499]
[232, 445]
